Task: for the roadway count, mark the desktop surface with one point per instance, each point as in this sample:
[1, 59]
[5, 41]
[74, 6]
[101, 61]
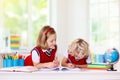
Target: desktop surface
[62, 75]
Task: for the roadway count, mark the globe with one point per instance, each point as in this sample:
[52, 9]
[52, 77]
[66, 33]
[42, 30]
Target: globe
[111, 56]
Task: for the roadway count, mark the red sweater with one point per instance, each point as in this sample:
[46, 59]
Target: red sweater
[43, 56]
[79, 62]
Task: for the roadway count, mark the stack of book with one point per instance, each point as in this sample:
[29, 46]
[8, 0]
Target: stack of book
[97, 66]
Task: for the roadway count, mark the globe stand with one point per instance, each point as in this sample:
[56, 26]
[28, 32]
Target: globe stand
[111, 68]
[111, 58]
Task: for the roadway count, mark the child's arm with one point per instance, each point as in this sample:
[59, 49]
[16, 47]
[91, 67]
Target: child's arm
[45, 65]
[56, 61]
[81, 66]
[65, 64]
[88, 60]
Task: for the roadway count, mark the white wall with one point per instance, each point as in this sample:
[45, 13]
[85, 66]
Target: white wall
[71, 21]
[78, 18]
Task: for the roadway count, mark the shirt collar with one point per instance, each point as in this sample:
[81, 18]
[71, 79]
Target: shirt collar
[44, 50]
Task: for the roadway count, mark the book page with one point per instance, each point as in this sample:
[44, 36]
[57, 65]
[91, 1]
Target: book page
[60, 69]
[69, 69]
[50, 69]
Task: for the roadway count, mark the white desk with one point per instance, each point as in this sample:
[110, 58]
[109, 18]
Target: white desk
[62, 75]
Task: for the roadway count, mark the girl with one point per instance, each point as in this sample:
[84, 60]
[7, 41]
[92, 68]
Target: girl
[77, 55]
[44, 54]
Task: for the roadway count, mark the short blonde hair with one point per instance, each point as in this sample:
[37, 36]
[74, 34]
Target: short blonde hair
[80, 46]
[43, 35]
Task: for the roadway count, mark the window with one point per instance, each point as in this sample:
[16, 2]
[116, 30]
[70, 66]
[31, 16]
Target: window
[104, 23]
[22, 18]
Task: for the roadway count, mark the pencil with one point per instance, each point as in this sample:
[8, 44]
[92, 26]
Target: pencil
[69, 60]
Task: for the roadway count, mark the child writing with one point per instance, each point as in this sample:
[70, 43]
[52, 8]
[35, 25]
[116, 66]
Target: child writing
[43, 55]
[77, 55]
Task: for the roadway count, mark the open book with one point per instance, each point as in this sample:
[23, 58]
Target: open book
[60, 69]
[19, 69]
[49, 69]
[70, 69]
[33, 69]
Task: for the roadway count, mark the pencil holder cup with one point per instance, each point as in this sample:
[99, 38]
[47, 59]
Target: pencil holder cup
[4, 63]
[9, 63]
[21, 62]
[15, 62]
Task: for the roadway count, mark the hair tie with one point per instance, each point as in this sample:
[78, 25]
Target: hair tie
[48, 31]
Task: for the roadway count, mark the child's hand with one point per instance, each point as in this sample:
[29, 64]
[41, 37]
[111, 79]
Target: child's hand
[50, 65]
[56, 62]
[70, 65]
[53, 64]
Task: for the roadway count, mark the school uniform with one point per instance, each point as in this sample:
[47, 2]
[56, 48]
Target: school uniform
[77, 62]
[71, 59]
[45, 56]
